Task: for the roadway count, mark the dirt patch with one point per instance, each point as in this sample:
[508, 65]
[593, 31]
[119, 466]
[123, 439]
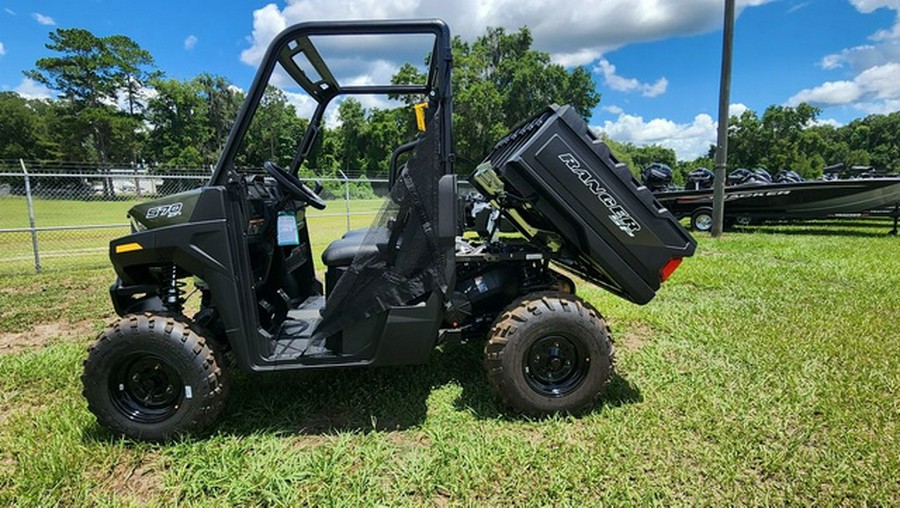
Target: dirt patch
[19, 409]
[407, 438]
[134, 477]
[44, 334]
[634, 338]
[309, 441]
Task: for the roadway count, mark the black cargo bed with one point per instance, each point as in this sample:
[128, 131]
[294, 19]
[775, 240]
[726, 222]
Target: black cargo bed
[562, 188]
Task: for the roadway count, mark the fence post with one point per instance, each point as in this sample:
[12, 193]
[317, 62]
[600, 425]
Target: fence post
[346, 197]
[34, 241]
[137, 184]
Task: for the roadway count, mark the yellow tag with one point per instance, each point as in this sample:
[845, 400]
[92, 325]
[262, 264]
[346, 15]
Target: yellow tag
[128, 247]
[420, 115]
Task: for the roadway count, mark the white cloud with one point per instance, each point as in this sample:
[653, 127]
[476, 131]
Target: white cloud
[826, 121]
[797, 7]
[878, 107]
[616, 110]
[303, 103]
[623, 84]
[9, 11]
[44, 20]
[829, 93]
[886, 35]
[31, 89]
[737, 109]
[867, 6]
[190, 42]
[656, 89]
[879, 83]
[2, 49]
[141, 97]
[876, 66]
[860, 58]
[577, 34]
[689, 140]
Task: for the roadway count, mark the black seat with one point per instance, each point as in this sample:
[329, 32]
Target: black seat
[341, 252]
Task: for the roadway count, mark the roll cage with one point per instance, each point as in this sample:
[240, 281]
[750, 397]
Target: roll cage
[296, 41]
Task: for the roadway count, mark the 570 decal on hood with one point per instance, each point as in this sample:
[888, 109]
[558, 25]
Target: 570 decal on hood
[619, 216]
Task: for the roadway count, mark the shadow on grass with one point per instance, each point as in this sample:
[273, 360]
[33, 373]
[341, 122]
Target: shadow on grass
[366, 400]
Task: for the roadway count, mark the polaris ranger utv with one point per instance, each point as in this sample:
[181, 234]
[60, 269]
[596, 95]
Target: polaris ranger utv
[391, 292]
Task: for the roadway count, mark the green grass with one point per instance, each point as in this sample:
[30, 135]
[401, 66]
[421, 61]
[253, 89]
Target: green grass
[765, 372]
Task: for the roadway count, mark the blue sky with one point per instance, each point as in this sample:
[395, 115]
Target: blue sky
[656, 62]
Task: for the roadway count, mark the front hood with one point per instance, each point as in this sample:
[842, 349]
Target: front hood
[167, 211]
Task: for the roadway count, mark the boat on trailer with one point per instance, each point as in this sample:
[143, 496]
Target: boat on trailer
[756, 200]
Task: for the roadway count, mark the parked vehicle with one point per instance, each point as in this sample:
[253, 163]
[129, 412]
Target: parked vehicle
[754, 196]
[391, 292]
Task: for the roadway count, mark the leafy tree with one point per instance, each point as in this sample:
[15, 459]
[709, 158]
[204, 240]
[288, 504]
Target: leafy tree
[408, 74]
[22, 128]
[177, 115]
[223, 100]
[274, 132]
[351, 133]
[90, 74]
[619, 150]
[643, 156]
[500, 81]
[781, 139]
[386, 130]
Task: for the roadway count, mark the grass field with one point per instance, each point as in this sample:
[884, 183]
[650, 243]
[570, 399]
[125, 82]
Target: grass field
[62, 250]
[765, 372]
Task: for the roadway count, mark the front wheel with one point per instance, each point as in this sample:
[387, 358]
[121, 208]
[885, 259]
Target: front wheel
[549, 352]
[152, 377]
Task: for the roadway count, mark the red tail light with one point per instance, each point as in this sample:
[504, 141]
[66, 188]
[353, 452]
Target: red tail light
[669, 269]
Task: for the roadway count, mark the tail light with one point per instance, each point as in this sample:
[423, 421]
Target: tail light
[669, 269]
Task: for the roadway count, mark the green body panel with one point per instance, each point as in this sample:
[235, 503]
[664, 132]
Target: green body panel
[167, 211]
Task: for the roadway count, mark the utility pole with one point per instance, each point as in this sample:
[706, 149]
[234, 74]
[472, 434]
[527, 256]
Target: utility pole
[722, 142]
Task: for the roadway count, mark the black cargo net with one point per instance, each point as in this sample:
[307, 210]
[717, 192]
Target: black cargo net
[399, 261]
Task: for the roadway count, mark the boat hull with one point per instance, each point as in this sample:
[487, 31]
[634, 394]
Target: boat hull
[803, 200]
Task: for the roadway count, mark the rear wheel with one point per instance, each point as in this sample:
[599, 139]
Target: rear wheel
[153, 377]
[702, 220]
[549, 352]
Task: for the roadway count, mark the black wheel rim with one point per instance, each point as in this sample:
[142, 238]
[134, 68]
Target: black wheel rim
[556, 365]
[146, 388]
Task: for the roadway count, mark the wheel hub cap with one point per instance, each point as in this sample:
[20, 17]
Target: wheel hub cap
[555, 366]
[146, 388]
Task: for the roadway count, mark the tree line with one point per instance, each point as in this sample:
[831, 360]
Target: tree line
[114, 106]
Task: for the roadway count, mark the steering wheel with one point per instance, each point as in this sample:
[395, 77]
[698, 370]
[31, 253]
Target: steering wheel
[294, 186]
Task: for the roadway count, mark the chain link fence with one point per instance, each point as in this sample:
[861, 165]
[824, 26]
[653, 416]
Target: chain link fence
[61, 216]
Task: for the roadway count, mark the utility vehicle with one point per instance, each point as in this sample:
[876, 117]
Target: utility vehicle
[393, 291]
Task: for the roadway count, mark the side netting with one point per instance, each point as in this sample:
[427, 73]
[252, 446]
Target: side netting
[399, 261]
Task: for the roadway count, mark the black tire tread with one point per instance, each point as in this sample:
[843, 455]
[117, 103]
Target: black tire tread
[174, 325]
[520, 312]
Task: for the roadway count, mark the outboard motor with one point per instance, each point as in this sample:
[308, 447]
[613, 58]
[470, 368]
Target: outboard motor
[787, 176]
[744, 176]
[762, 176]
[700, 179]
[657, 177]
[740, 176]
